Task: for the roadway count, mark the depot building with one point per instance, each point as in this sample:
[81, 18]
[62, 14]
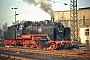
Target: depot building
[83, 22]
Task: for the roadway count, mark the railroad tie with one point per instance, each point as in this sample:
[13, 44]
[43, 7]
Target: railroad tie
[13, 57]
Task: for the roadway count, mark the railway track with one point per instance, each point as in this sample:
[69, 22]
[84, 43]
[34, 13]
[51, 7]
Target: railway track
[34, 56]
[67, 53]
[8, 57]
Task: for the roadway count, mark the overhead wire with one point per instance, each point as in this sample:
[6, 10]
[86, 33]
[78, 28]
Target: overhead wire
[11, 3]
[20, 4]
[60, 1]
[21, 12]
[29, 10]
[7, 17]
[10, 9]
[5, 11]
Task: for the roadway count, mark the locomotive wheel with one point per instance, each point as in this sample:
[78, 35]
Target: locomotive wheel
[31, 46]
[52, 46]
[6, 45]
[39, 46]
[60, 46]
[25, 45]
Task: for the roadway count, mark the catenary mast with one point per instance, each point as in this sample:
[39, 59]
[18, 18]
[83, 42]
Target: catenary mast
[73, 20]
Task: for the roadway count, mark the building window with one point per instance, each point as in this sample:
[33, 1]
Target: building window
[86, 32]
[84, 22]
[83, 17]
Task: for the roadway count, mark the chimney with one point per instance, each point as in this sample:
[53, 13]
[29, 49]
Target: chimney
[52, 18]
[46, 21]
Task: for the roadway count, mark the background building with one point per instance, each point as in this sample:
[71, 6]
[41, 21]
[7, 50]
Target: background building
[2, 29]
[64, 17]
[1, 26]
[5, 27]
[83, 20]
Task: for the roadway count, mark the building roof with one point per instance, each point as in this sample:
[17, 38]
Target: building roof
[84, 8]
[62, 11]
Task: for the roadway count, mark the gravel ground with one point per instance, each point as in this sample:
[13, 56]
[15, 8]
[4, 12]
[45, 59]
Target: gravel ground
[35, 56]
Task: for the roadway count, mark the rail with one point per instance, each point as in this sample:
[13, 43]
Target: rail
[70, 53]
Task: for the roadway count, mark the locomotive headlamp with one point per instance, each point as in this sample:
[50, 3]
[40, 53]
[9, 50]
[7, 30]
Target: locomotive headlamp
[21, 27]
[63, 42]
[59, 30]
[18, 34]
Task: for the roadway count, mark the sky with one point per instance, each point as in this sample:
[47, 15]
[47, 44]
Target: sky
[30, 12]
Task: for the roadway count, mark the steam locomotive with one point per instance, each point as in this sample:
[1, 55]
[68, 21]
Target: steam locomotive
[38, 34]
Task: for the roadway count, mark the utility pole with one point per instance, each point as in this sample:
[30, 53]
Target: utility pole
[15, 14]
[15, 22]
[73, 20]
